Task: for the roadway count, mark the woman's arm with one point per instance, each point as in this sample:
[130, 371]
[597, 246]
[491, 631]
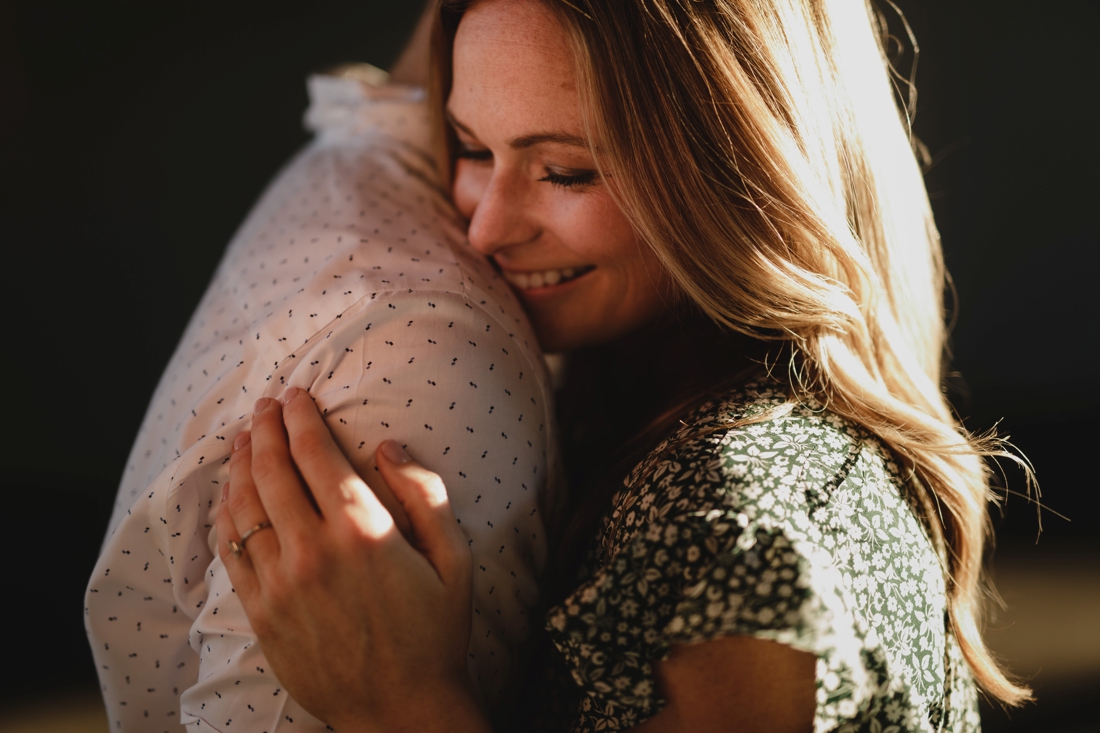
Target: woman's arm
[736, 683]
[338, 596]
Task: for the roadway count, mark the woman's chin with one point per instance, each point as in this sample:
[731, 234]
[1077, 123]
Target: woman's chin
[552, 342]
[556, 337]
[559, 335]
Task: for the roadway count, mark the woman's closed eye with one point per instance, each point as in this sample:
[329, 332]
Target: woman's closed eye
[573, 178]
[569, 180]
[479, 154]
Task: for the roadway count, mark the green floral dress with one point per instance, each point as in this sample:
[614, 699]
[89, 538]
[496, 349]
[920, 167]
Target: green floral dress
[794, 528]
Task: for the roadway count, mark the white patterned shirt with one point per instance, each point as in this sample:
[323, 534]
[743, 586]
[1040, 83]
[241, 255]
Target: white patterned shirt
[351, 279]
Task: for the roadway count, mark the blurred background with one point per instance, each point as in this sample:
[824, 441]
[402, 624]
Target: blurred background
[134, 137]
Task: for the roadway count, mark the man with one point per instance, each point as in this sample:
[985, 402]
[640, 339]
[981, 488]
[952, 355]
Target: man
[349, 279]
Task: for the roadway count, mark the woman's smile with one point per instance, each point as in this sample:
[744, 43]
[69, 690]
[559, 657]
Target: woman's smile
[534, 282]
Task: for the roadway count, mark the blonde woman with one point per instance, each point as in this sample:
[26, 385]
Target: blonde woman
[714, 205]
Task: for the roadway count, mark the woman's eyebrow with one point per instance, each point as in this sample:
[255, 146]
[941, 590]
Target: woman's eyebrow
[560, 138]
[527, 141]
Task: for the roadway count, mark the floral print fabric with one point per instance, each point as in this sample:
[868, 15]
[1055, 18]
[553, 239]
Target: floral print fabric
[779, 521]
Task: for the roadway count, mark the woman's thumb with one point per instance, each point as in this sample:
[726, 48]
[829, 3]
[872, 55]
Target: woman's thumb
[423, 496]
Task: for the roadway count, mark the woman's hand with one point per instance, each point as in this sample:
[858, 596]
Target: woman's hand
[366, 629]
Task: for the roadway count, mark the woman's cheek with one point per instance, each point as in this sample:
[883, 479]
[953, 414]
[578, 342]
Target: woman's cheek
[600, 228]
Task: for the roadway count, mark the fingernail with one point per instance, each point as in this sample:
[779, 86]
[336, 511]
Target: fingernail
[225, 491]
[290, 394]
[395, 453]
[242, 439]
[261, 404]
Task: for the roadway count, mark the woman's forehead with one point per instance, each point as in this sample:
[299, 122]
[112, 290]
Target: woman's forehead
[512, 18]
[512, 70]
[512, 42]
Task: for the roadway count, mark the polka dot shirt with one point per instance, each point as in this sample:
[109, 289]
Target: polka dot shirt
[350, 278]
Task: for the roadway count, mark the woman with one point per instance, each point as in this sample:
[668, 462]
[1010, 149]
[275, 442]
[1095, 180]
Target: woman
[721, 198]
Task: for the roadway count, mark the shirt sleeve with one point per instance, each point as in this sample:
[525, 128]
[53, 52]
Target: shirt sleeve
[348, 282]
[438, 374]
[445, 379]
[171, 643]
[138, 615]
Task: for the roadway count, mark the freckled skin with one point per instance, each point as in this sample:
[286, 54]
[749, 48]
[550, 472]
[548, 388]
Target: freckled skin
[513, 79]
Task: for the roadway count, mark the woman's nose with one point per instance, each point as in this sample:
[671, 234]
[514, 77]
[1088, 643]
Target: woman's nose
[501, 216]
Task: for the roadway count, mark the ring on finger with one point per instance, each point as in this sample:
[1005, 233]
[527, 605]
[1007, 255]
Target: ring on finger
[237, 546]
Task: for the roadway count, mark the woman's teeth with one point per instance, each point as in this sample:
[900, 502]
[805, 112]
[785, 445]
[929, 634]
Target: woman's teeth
[542, 278]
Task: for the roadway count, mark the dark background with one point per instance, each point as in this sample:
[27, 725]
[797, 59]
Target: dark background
[136, 135]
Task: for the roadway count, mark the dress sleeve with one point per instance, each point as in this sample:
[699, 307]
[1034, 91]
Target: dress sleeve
[713, 555]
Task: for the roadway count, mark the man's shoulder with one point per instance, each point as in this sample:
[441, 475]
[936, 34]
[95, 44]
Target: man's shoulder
[341, 228]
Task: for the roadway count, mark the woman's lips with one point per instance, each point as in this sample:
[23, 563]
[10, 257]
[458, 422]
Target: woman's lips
[533, 279]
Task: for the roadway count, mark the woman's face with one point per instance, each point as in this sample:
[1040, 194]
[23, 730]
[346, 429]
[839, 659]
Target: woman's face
[527, 182]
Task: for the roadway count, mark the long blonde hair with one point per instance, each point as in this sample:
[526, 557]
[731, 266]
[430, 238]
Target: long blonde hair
[758, 150]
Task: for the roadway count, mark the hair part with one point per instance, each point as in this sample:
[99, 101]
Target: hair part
[757, 148]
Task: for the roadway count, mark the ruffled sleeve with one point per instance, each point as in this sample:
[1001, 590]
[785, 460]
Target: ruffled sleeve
[755, 532]
[693, 578]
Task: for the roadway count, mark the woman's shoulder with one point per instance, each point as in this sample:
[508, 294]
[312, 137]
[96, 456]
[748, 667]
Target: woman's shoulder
[755, 454]
[761, 419]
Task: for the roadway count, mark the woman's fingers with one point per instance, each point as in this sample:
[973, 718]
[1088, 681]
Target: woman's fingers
[284, 497]
[337, 486]
[424, 498]
[350, 584]
[243, 506]
[240, 569]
